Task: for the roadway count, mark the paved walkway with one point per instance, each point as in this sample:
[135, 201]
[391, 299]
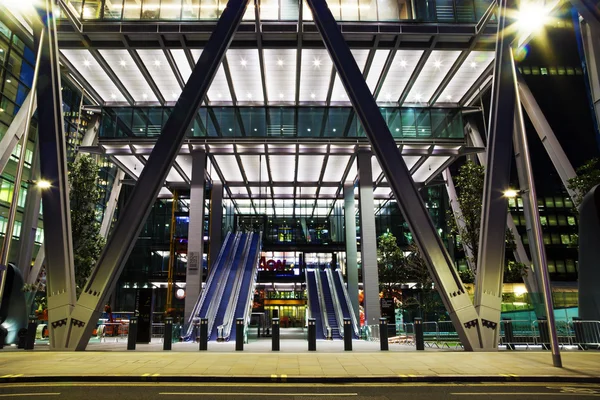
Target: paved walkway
[294, 363]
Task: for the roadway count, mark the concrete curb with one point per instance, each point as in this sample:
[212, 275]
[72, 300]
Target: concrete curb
[304, 379]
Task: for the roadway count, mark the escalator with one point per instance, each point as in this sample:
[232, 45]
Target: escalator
[332, 315]
[227, 281]
[208, 294]
[246, 288]
[343, 298]
[314, 302]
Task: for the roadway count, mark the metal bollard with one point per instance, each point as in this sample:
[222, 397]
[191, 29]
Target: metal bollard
[132, 334]
[544, 334]
[31, 330]
[275, 335]
[168, 335]
[239, 334]
[312, 334]
[203, 334]
[347, 334]
[419, 340]
[384, 344]
[509, 337]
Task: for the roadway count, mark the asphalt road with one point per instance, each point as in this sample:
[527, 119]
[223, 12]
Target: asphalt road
[220, 391]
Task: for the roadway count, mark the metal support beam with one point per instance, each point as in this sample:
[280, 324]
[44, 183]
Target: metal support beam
[112, 260]
[215, 233]
[490, 268]
[553, 148]
[451, 288]
[351, 252]
[111, 204]
[60, 278]
[15, 131]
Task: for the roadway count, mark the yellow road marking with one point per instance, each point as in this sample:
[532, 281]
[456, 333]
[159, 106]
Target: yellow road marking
[253, 394]
[28, 394]
[521, 394]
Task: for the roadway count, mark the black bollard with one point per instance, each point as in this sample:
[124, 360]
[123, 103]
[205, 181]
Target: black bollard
[3, 335]
[239, 334]
[203, 334]
[31, 330]
[544, 334]
[347, 334]
[168, 335]
[383, 334]
[509, 337]
[312, 334]
[419, 340]
[275, 335]
[132, 334]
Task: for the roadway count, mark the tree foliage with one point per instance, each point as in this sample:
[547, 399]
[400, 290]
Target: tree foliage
[390, 261]
[85, 228]
[588, 176]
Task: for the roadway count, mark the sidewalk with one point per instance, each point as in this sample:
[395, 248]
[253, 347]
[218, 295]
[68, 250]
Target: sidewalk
[328, 364]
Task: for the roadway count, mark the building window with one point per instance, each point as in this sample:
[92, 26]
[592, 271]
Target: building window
[571, 220]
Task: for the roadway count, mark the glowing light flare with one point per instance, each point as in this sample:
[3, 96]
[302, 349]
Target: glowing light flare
[511, 193]
[43, 184]
[532, 16]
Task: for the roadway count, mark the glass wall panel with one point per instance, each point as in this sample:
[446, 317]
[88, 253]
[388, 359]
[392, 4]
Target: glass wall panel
[170, 9]
[465, 10]
[444, 10]
[269, 9]
[150, 9]
[190, 9]
[310, 121]
[139, 121]
[393, 120]
[113, 9]
[439, 125]
[254, 120]
[289, 10]
[368, 10]
[389, 10]
[409, 128]
[350, 10]
[132, 9]
[334, 6]
[92, 9]
[425, 10]
[337, 119]
[423, 123]
[209, 9]
[123, 122]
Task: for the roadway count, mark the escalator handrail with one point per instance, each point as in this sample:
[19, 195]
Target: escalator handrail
[237, 284]
[254, 272]
[339, 314]
[349, 305]
[216, 302]
[202, 298]
[324, 320]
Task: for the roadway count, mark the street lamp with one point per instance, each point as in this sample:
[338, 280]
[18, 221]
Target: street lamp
[511, 193]
[43, 184]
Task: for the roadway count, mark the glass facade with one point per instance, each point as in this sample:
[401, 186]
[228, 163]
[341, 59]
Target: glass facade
[450, 11]
[283, 122]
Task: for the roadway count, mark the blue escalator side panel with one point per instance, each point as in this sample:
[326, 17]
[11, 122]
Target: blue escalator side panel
[315, 309]
[229, 279]
[328, 300]
[246, 283]
[341, 292]
[218, 270]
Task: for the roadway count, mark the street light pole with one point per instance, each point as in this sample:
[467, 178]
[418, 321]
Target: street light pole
[532, 214]
[12, 212]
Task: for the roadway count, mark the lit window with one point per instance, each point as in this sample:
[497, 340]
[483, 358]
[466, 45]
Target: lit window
[544, 71]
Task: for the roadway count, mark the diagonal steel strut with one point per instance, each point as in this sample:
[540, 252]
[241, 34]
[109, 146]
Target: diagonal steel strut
[119, 245]
[440, 266]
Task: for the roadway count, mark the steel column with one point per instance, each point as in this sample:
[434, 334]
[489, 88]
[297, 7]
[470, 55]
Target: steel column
[553, 148]
[122, 240]
[490, 268]
[532, 216]
[111, 204]
[368, 238]
[440, 265]
[60, 278]
[15, 131]
[216, 221]
[351, 252]
[193, 272]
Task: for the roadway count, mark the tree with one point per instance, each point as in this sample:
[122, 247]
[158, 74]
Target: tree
[588, 176]
[85, 228]
[390, 262]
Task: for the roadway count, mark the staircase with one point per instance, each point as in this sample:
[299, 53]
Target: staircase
[328, 300]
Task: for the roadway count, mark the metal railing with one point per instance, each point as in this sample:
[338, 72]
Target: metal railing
[249, 299]
[324, 319]
[339, 315]
[348, 304]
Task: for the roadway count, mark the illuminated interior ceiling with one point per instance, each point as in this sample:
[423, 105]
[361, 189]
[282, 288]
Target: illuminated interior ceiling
[268, 172]
[408, 78]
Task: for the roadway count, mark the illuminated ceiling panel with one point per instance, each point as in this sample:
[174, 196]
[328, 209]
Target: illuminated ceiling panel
[183, 65]
[338, 94]
[282, 168]
[185, 162]
[382, 192]
[244, 68]
[280, 75]
[161, 73]
[132, 165]
[435, 69]
[465, 77]
[402, 67]
[411, 161]
[309, 168]
[229, 167]
[352, 172]
[129, 74]
[376, 68]
[283, 190]
[315, 75]
[428, 168]
[219, 89]
[328, 191]
[92, 72]
[336, 165]
[310, 191]
[255, 168]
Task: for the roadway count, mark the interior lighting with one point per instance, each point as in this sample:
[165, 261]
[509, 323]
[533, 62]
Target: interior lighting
[43, 184]
[403, 63]
[397, 129]
[255, 129]
[281, 95]
[192, 129]
[243, 62]
[312, 95]
[449, 97]
[334, 129]
[87, 63]
[113, 96]
[219, 95]
[418, 97]
[317, 62]
[1, 110]
[157, 63]
[280, 62]
[532, 16]
[230, 129]
[473, 64]
[123, 63]
[511, 193]
[437, 64]
[8, 81]
[308, 129]
[180, 293]
[249, 95]
[145, 96]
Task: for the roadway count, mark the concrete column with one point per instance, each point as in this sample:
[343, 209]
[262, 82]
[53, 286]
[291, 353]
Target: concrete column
[368, 239]
[216, 222]
[193, 274]
[30, 220]
[351, 252]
